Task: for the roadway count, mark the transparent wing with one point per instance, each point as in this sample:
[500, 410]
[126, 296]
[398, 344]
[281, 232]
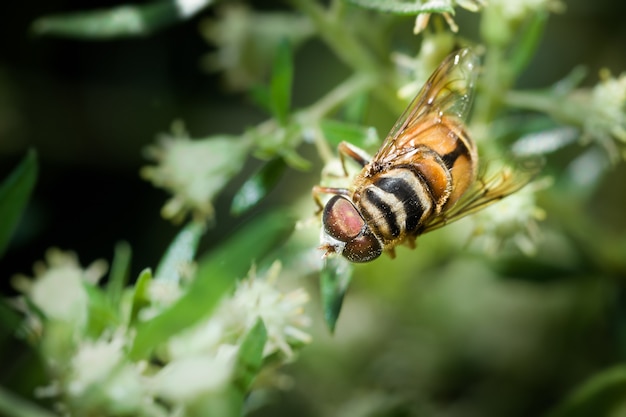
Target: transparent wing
[449, 91]
[489, 189]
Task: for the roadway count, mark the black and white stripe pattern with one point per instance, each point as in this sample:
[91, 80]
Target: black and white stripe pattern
[397, 202]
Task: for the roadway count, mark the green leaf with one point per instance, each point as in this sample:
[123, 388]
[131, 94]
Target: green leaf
[180, 252]
[280, 85]
[334, 281]
[15, 192]
[250, 356]
[355, 107]
[117, 22]
[360, 136]
[258, 186]
[102, 314]
[530, 37]
[406, 7]
[216, 274]
[141, 297]
[234, 258]
[597, 396]
[120, 270]
[13, 406]
[260, 95]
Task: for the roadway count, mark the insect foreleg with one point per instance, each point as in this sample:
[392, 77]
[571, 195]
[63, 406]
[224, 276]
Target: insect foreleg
[354, 153]
[318, 190]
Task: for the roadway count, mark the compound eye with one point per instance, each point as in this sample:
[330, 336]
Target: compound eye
[364, 248]
[341, 219]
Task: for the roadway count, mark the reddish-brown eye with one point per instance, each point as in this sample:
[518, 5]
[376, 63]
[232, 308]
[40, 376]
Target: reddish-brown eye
[364, 248]
[341, 219]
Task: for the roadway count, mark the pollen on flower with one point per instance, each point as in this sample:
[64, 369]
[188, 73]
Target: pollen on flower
[194, 171]
[282, 313]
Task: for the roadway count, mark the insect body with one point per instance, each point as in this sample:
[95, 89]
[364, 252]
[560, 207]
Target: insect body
[423, 176]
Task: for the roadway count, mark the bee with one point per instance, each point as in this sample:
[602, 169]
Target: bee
[425, 174]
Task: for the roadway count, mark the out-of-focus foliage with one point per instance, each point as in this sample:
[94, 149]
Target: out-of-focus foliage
[517, 310]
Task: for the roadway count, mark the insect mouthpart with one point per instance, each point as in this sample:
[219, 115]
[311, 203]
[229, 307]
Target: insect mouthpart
[345, 232]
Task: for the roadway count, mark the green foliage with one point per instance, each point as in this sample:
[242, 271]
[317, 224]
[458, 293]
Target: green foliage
[118, 22]
[15, 191]
[217, 273]
[335, 279]
[407, 8]
[258, 186]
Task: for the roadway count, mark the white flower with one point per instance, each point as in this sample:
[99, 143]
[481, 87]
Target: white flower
[162, 294]
[204, 338]
[512, 219]
[194, 171]
[100, 377]
[282, 314]
[254, 297]
[58, 287]
[421, 21]
[189, 378]
[606, 116]
[246, 41]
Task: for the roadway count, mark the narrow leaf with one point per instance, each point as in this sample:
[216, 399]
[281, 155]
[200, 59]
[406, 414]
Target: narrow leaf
[334, 281]
[181, 252]
[120, 270]
[280, 86]
[234, 258]
[13, 406]
[141, 297]
[529, 40]
[15, 192]
[250, 356]
[596, 397]
[216, 274]
[118, 22]
[260, 95]
[102, 314]
[406, 8]
[361, 136]
[356, 107]
[258, 186]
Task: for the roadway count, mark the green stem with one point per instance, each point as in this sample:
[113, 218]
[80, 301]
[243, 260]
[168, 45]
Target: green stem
[328, 103]
[332, 28]
[338, 95]
[564, 110]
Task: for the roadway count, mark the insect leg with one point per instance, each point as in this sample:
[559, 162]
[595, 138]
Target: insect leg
[318, 190]
[351, 151]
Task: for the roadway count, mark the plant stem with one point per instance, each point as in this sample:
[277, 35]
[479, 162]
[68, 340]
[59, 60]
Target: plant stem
[328, 103]
[333, 30]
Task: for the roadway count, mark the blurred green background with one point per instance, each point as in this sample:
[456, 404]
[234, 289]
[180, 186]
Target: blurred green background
[440, 331]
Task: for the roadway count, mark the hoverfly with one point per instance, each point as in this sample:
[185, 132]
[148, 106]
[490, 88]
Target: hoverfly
[425, 174]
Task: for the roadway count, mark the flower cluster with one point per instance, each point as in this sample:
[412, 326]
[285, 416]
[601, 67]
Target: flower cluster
[514, 219]
[607, 120]
[92, 373]
[246, 42]
[193, 171]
